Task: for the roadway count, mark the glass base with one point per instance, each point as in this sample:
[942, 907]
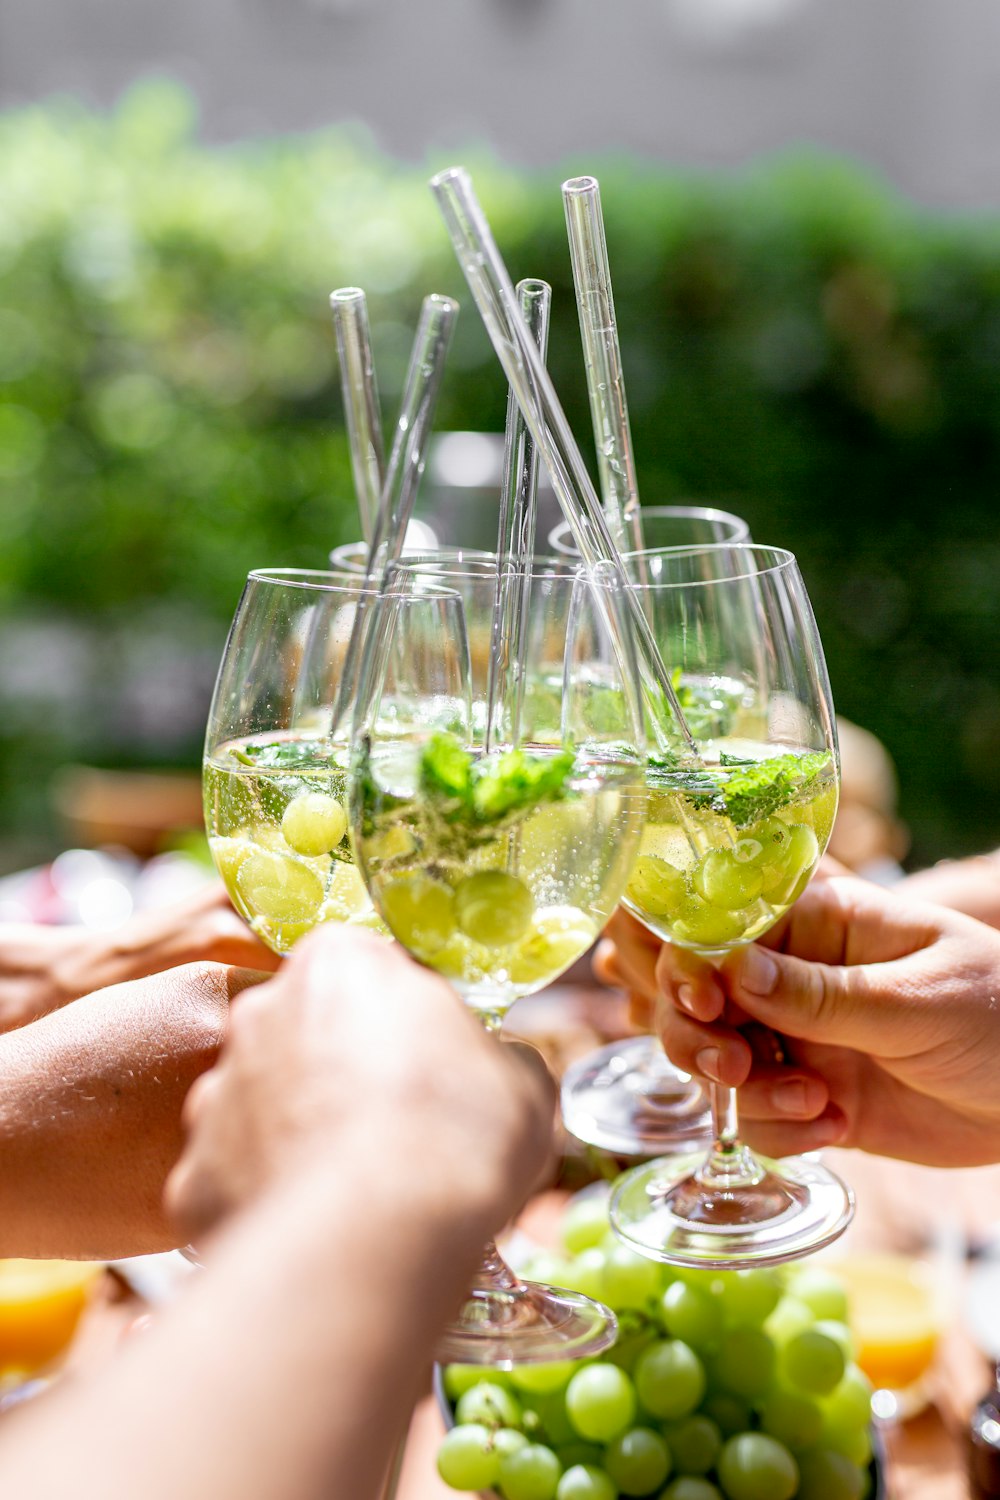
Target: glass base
[766, 1212]
[526, 1324]
[629, 1099]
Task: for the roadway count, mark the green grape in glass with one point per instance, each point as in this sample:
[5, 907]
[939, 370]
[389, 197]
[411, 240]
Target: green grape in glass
[729, 844]
[274, 778]
[496, 858]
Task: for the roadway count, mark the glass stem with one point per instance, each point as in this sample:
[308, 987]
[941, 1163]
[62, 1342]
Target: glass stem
[730, 1164]
[494, 1274]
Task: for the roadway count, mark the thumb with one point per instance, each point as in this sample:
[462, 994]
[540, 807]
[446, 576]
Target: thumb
[861, 1006]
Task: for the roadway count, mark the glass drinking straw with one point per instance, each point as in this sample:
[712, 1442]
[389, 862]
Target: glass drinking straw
[406, 464]
[362, 411]
[515, 542]
[494, 295]
[603, 361]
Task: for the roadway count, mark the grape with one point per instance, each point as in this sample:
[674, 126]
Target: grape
[585, 1223]
[600, 1402]
[419, 909]
[467, 1459]
[493, 907]
[802, 853]
[548, 1266]
[840, 1333]
[749, 1297]
[706, 926]
[670, 1379]
[812, 1361]
[656, 887]
[791, 1418]
[586, 1273]
[629, 1280]
[556, 938]
[694, 1443]
[461, 1378]
[229, 854]
[627, 1350]
[821, 1292]
[726, 881]
[849, 1405]
[638, 1461]
[824, 1475]
[856, 1445]
[585, 1482]
[531, 1473]
[279, 887]
[752, 1466]
[508, 1440]
[745, 1362]
[490, 1405]
[789, 1318]
[542, 1379]
[554, 1425]
[313, 823]
[346, 895]
[692, 1315]
[773, 838]
[687, 1487]
[389, 843]
[728, 1413]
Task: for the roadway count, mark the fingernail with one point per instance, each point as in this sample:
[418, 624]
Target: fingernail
[759, 973]
[790, 1096]
[685, 998]
[707, 1063]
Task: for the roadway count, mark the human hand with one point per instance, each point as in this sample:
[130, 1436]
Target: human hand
[885, 1011]
[971, 885]
[43, 968]
[353, 1056]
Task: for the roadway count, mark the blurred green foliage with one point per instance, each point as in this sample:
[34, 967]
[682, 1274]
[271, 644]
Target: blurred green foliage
[799, 346]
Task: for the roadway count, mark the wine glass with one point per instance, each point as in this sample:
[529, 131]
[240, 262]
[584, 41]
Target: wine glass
[628, 1097]
[729, 845]
[498, 866]
[670, 526]
[275, 767]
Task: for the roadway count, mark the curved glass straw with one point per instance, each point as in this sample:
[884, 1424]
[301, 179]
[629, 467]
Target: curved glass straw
[362, 411]
[494, 295]
[603, 361]
[515, 542]
[406, 464]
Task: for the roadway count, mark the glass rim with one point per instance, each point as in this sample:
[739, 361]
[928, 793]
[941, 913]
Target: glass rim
[761, 561]
[336, 581]
[484, 565]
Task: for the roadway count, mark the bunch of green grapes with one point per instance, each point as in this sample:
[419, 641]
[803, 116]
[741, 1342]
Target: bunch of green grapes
[723, 1385]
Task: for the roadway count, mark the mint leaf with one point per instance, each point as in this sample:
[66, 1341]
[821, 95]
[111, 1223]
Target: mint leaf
[517, 780]
[283, 755]
[446, 768]
[753, 790]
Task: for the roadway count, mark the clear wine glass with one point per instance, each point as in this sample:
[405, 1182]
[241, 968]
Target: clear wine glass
[274, 779]
[628, 1097]
[498, 867]
[728, 846]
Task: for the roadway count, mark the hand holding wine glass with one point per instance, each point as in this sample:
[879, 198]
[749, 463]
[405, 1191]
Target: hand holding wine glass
[886, 1006]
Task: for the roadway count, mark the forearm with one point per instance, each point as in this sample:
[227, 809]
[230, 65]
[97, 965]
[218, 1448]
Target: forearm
[90, 1103]
[286, 1373]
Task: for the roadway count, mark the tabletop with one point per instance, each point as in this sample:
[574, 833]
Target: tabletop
[900, 1207]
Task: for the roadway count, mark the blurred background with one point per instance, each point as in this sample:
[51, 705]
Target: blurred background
[803, 216]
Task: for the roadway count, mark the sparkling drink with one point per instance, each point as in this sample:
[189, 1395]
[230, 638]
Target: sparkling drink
[275, 810]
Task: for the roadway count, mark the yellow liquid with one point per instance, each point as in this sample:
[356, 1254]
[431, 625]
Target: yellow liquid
[894, 1315]
[704, 883]
[40, 1305]
[280, 890]
[505, 914]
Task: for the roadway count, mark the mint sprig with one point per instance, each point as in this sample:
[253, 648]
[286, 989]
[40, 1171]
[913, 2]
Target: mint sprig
[754, 789]
[489, 792]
